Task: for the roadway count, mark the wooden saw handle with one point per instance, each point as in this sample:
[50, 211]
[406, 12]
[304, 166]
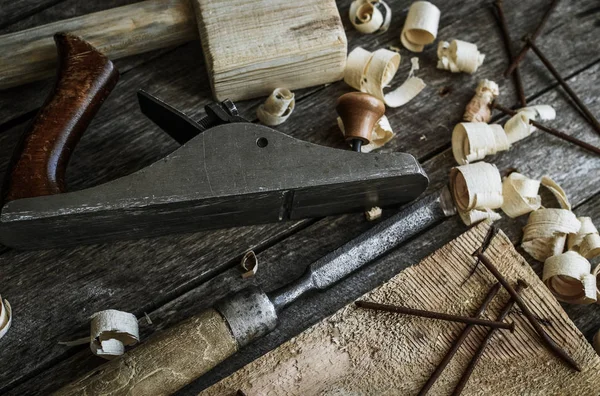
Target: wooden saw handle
[165, 363]
[85, 78]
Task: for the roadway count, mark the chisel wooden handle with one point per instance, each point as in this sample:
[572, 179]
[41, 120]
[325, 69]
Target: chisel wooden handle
[29, 55]
[85, 78]
[164, 364]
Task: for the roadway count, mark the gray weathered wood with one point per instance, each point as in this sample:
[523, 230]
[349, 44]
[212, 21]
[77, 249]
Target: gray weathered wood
[287, 260]
[167, 277]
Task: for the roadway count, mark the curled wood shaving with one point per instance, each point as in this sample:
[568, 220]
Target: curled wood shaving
[478, 109]
[5, 316]
[277, 108]
[596, 273]
[568, 277]
[373, 214]
[546, 232]
[370, 72]
[520, 195]
[421, 26]
[249, 264]
[557, 191]
[518, 126]
[381, 134]
[586, 241]
[111, 331]
[475, 216]
[477, 189]
[472, 141]
[459, 56]
[367, 16]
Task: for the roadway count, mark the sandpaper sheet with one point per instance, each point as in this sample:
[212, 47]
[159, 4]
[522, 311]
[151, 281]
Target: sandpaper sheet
[360, 352]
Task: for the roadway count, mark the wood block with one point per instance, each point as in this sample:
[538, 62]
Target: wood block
[254, 46]
[362, 352]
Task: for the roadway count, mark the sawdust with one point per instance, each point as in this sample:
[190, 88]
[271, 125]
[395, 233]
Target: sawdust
[362, 352]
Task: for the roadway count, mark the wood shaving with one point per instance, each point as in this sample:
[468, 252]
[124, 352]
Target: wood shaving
[249, 264]
[367, 16]
[370, 72]
[277, 108]
[5, 316]
[373, 214]
[459, 56]
[557, 191]
[520, 195]
[472, 141]
[597, 342]
[596, 273]
[568, 277]
[381, 134]
[421, 26]
[478, 109]
[475, 216]
[111, 331]
[586, 241]
[546, 232]
[477, 189]
[518, 126]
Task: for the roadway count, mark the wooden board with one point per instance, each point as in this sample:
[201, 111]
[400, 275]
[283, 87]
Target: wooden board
[362, 352]
[252, 47]
[173, 278]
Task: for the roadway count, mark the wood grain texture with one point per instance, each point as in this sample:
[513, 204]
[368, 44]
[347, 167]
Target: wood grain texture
[117, 33]
[164, 364]
[363, 352]
[252, 47]
[43, 154]
[17, 103]
[173, 278]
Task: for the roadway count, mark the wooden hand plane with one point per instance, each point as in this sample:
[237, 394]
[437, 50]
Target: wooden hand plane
[228, 172]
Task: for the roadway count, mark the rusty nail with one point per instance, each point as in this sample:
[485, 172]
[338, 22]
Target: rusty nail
[552, 131]
[459, 341]
[509, 49]
[589, 116]
[469, 370]
[435, 315]
[491, 233]
[527, 312]
[535, 34]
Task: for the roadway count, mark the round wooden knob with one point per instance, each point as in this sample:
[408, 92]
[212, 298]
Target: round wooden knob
[359, 113]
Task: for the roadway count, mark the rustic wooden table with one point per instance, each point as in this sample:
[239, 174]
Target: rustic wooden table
[54, 292]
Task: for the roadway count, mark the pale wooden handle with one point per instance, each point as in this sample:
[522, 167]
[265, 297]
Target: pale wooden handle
[118, 32]
[164, 364]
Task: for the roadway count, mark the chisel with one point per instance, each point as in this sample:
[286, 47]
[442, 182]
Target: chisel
[179, 355]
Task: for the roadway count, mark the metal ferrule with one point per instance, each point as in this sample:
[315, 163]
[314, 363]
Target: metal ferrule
[249, 313]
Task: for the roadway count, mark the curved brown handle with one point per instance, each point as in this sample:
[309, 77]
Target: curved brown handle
[85, 78]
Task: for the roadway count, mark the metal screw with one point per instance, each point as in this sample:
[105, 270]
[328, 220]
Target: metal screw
[535, 34]
[509, 49]
[551, 131]
[590, 117]
[459, 341]
[435, 315]
[527, 312]
[469, 370]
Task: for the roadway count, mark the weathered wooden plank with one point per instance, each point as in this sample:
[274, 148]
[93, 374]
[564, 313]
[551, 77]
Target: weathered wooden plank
[13, 11]
[286, 260]
[146, 146]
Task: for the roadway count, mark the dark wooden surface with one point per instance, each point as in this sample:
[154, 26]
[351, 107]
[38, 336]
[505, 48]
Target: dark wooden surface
[54, 292]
